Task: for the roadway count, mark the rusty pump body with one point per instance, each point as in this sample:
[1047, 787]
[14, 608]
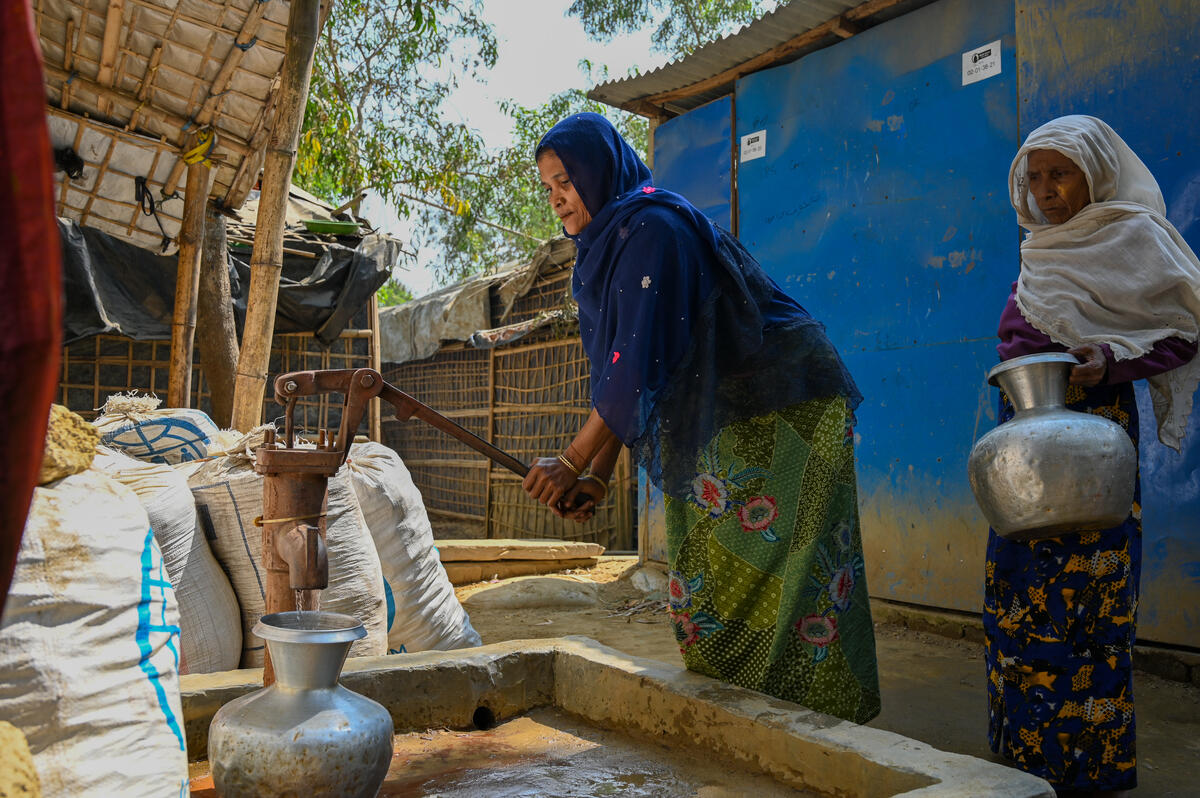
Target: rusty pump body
[296, 480]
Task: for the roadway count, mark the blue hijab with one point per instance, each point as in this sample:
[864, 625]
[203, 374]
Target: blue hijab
[681, 325]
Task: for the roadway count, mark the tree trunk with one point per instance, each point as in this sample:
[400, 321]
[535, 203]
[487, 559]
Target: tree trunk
[266, 262]
[215, 331]
[187, 284]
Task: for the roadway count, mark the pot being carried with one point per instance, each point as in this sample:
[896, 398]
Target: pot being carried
[305, 734]
[1050, 470]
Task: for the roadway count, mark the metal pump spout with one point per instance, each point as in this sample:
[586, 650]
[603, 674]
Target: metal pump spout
[303, 549]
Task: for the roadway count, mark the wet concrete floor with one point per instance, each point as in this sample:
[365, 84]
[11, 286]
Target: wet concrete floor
[549, 754]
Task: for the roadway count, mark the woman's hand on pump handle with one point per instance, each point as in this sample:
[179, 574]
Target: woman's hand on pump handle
[558, 486]
[549, 480]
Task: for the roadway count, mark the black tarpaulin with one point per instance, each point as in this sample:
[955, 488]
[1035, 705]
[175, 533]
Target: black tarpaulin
[118, 288]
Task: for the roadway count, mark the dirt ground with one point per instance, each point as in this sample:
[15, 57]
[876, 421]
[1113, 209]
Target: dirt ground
[933, 687]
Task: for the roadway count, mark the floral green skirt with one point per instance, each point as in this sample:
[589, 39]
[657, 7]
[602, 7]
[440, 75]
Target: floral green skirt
[767, 588]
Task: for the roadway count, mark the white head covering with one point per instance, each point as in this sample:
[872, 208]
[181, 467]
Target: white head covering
[1117, 272]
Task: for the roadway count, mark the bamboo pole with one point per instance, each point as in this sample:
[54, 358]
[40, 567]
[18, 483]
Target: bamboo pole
[187, 285]
[214, 317]
[375, 420]
[266, 262]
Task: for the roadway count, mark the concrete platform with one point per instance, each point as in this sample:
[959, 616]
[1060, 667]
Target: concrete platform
[649, 700]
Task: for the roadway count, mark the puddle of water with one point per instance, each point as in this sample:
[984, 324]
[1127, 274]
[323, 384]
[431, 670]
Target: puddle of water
[549, 754]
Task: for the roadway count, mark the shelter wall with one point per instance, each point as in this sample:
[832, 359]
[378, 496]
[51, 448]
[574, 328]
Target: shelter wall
[528, 398]
[881, 205]
[95, 368]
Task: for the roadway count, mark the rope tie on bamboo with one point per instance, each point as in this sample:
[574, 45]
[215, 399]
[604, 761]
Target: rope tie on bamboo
[562, 458]
[145, 201]
[260, 521]
[206, 139]
[247, 45]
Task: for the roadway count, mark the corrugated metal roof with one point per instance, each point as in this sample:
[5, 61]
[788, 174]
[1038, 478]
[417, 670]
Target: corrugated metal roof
[756, 39]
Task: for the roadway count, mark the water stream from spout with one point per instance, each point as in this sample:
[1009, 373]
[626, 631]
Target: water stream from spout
[308, 602]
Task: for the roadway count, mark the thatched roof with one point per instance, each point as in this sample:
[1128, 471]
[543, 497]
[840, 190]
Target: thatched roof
[129, 83]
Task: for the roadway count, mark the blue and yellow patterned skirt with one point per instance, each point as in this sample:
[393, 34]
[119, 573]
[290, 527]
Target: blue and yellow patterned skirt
[1059, 617]
[767, 588]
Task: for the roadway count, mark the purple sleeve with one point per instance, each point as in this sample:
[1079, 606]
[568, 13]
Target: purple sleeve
[1019, 337]
[1167, 354]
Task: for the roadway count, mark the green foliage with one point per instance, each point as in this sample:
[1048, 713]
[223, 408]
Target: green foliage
[682, 25]
[393, 292]
[382, 71]
[506, 191]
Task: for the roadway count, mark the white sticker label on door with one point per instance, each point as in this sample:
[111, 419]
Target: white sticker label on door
[981, 63]
[754, 145]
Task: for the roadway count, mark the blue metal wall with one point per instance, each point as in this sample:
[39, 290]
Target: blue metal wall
[693, 154]
[1134, 64]
[881, 207]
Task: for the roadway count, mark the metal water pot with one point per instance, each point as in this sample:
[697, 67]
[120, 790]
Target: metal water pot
[1050, 470]
[305, 735]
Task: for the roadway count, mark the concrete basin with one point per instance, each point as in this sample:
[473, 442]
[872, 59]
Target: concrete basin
[570, 712]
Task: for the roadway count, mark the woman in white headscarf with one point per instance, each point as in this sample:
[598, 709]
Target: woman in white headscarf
[1106, 277]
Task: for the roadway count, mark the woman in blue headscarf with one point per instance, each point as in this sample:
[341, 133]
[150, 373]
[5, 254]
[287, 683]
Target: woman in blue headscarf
[737, 405]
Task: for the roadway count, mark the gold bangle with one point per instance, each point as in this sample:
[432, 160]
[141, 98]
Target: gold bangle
[598, 481]
[562, 458]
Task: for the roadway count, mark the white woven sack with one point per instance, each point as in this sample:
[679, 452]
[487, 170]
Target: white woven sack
[209, 619]
[424, 613]
[229, 496]
[174, 435]
[89, 646]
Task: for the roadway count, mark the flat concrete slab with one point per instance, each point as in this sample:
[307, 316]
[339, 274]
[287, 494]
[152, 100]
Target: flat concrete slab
[647, 700]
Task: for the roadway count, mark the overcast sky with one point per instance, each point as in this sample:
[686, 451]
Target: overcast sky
[539, 49]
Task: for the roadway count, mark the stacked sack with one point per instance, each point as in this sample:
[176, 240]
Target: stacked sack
[209, 618]
[136, 426]
[423, 611]
[89, 640]
[229, 496]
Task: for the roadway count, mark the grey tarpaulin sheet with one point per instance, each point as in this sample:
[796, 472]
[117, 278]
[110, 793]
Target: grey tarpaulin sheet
[115, 287]
[416, 329]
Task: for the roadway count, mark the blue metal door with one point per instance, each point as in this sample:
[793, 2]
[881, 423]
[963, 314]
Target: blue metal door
[880, 204]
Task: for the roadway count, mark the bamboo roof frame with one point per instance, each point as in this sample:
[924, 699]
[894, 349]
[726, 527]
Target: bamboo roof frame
[129, 84]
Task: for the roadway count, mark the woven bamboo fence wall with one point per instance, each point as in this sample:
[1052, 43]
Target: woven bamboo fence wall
[97, 367]
[528, 398]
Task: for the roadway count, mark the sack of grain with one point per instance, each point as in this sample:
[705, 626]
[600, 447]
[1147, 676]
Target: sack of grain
[209, 619]
[423, 612]
[229, 496]
[89, 646]
[136, 426]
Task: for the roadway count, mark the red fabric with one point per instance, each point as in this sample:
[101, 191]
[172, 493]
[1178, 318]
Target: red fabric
[30, 276]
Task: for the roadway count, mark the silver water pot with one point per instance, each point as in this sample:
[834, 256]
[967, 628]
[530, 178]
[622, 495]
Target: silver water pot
[305, 735]
[1050, 470]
